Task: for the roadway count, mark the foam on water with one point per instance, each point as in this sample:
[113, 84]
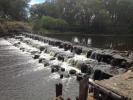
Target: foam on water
[54, 76]
[55, 62]
[4, 42]
[49, 55]
[68, 67]
[46, 56]
[36, 42]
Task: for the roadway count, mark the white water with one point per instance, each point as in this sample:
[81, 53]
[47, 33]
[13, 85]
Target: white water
[35, 44]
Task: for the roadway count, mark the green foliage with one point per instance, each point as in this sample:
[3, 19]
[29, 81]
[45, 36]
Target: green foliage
[47, 22]
[13, 9]
[87, 15]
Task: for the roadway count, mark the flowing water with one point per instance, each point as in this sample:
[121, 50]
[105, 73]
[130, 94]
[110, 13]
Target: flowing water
[23, 78]
[118, 42]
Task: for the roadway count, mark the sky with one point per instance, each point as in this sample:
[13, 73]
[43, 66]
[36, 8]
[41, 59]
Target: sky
[36, 2]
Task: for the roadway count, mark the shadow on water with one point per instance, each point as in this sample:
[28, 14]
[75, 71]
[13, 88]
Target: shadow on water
[103, 41]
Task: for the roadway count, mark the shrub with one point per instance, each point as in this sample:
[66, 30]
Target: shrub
[51, 23]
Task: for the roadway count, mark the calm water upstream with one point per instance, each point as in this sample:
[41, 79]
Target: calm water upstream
[114, 42]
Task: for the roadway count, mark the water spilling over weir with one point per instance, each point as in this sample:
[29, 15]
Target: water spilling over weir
[23, 78]
[78, 59]
[76, 55]
[30, 59]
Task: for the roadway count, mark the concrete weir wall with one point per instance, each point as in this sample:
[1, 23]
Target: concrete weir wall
[99, 63]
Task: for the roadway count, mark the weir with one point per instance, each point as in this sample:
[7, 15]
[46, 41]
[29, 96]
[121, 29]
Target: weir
[108, 62]
[69, 59]
[107, 59]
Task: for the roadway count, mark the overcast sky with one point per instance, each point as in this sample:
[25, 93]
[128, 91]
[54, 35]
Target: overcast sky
[36, 1]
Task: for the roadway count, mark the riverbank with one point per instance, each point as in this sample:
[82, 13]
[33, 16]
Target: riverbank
[9, 26]
[120, 84]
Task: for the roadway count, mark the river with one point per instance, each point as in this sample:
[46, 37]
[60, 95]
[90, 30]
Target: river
[23, 78]
[119, 42]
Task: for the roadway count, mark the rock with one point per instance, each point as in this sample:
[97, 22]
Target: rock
[64, 55]
[56, 67]
[72, 72]
[63, 69]
[53, 58]
[61, 76]
[45, 64]
[57, 43]
[67, 76]
[27, 41]
[86, 69]
[89, 53]
[79, 77]
[41, 60]
[44, 61]
[60, 57]
[67, 46]
[22, 48]
[52, 42]
[36, 56]
[93, 55]
[117, 61]
[124, 64]
[61, 45]
[77, 50]
[99, 75]
[42, 48]
[19, 37]
[106, 58]
[52, 70]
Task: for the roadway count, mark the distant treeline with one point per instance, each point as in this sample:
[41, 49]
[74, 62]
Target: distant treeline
[91, 16]
[88, 16]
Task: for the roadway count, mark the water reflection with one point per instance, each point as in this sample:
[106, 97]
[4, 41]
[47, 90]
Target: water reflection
[75, 40]
[106, 42]
[83, 41]
[89, 41]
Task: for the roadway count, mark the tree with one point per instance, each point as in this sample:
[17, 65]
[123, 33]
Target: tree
[89, 15]
[51, 23]
[14, 9]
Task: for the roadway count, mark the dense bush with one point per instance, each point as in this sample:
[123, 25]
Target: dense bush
[47, 22]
